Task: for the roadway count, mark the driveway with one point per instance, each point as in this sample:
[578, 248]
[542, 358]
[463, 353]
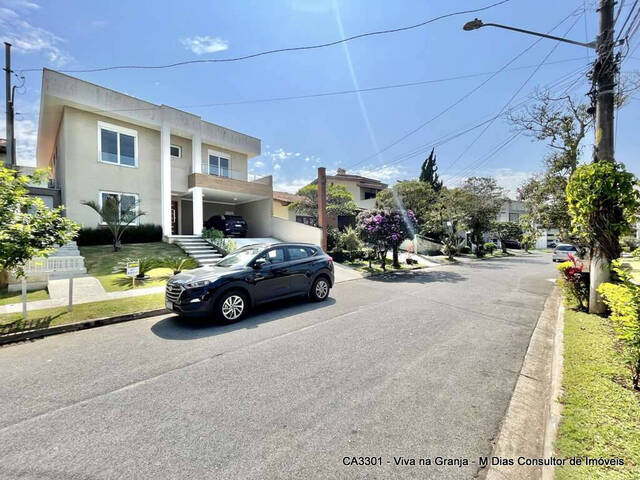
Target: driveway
[416, 365]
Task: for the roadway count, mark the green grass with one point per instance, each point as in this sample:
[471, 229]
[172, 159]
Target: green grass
[363, 266]
[7, 297]
[635, 269]
[601, 415]
[12, 322]
[101, 259]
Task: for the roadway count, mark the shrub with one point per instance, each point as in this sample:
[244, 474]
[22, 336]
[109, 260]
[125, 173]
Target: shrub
[623, 299]
[333, 238]
[629, 243]
[349, 240]
[144, 233]
[177, 263]
[146, 264]
[465, 249]
[574, 283]
[636, 253]
[212, 233]
[490, 247]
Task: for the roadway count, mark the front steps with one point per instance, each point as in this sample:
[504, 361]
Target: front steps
[196, 247]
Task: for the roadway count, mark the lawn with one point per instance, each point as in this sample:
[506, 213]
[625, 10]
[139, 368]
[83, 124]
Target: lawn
[601, 416]
[101, 259]
[635, 269]
[12, 322]
[7, 297]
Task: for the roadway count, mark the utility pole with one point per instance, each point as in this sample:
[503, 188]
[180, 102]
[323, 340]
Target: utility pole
[322, 204]
[604, 75]
[11, 151]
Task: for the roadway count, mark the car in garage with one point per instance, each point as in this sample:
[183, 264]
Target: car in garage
[562, 251]
[230, 225]
[250, 276]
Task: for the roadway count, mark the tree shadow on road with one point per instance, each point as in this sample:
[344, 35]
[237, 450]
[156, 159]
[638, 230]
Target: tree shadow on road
[180, 328]
[419, 276]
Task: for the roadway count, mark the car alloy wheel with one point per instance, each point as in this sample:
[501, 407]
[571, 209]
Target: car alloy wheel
[322, 289]
[232, 307]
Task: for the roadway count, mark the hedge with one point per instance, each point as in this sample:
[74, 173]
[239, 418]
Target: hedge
[134, 234]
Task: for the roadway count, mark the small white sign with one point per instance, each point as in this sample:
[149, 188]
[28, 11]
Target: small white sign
[133, 269]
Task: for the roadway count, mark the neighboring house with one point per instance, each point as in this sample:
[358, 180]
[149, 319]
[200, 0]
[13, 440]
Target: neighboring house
[281, 202]
[363, 189]
[181, 169]
[512, 210]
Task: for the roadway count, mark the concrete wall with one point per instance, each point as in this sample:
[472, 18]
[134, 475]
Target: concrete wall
[258, 216]
[180, 167]
[289, 231]
[83, 176]
[283, 211]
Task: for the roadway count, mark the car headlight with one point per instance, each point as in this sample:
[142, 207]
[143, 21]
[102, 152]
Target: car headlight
[197, 284]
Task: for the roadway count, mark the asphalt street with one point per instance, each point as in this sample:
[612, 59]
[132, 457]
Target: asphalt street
[417, 365]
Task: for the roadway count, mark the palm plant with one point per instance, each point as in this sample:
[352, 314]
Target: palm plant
[116, 216]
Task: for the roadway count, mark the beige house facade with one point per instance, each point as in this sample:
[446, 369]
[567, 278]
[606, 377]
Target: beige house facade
[363, 189]
[178, 168]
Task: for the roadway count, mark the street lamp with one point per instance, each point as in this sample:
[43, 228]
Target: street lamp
[477, 23]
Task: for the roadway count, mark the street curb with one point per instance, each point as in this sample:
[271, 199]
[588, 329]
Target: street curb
[528, 427]
[72, 327]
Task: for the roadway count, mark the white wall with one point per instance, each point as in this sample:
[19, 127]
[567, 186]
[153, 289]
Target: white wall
[289, 231]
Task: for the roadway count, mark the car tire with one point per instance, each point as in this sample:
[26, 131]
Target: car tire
[232, 307]
[320, 289]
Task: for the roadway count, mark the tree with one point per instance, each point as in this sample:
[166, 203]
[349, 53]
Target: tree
[339, 201]
[27, 227]
[485, 198]
[385, 230]
[506, 231]
[419, 197]
[563, 124]
[428, 172]
[530, 232]
[116, 215]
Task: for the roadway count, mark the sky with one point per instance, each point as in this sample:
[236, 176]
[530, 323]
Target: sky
[384, 133]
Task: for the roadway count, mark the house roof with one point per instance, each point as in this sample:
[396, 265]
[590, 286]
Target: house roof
[364, 182]
[286, 197]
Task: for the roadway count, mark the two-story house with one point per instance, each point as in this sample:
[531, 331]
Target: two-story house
[179, 168]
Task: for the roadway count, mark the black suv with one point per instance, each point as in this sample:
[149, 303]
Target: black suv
[230, 225]
[249, 276]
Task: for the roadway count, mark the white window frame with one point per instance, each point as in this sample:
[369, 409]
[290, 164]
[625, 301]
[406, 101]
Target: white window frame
[119, 194]
[118, 130]
[220, 155]
[179, 150]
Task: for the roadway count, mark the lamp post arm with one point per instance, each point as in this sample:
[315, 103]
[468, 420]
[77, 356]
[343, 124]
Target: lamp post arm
[537, 34]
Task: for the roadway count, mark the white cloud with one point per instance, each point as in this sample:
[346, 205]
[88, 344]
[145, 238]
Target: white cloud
[291, 186]
[384, 173]
[276, 166]
[26, 135]
[258, 164]
[204, 44]
[21, 4]
[28, 38]
[506, 178]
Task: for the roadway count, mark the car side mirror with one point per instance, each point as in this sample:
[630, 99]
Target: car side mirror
[259, 263]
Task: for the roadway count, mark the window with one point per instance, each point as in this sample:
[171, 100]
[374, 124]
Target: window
[514, 217]
[296, 253]
[176, 151]
[219, 165]
[307, 220]
[126, 201]
[369, 193]
[275, 255]
[117, 145]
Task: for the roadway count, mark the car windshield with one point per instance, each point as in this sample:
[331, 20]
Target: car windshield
[566, 247]
[239, 257]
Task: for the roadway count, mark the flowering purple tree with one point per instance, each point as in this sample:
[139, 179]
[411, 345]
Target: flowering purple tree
[385, 230]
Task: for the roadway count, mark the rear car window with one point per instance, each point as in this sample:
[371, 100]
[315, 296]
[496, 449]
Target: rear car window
[567, 248]
[296, 253]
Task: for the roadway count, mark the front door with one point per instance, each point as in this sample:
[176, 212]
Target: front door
[174, 218]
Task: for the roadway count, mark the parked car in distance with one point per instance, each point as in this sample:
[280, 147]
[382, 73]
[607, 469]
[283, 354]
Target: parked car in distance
[251, 275]
[562, 250]
[230, 225]
[512, 244]
[551, 245]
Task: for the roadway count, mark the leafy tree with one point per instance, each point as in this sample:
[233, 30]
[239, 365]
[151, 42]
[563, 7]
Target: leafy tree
[530, 232]
[27, 227]
[485, 198]
[563, 124]
[447, 215]
[506, 231]
[385, 230]
[419, 197]
[339, 201]
[428, 172]
[117, 216]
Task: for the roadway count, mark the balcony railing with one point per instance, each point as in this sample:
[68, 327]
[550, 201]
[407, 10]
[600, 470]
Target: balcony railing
[223, 172]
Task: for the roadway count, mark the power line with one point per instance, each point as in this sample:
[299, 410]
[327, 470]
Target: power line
[282, 50]
[484, 130]
[460, 100]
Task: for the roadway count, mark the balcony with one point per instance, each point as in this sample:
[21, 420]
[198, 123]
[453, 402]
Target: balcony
[233, 183]
[209, 169]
